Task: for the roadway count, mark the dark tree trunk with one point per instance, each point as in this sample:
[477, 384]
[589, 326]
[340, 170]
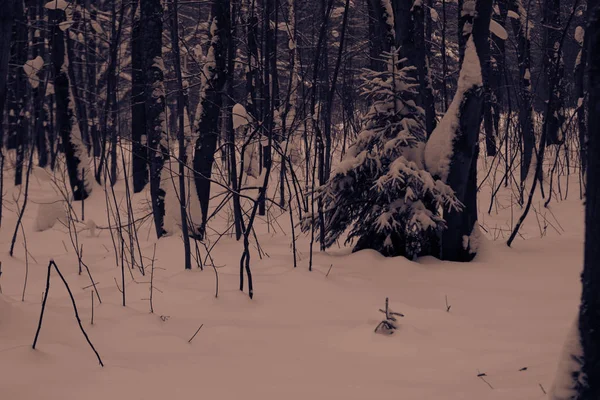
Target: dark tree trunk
[40, 113]
[554, 71]
[459, 239]
[233, 173]
[138, 109]
[493, 91]
[174, 9]
[152, 13]
[91, 71]
[7, 18]
[525, 91]
[207, 125]
[268, 96]
[18, 112]
[65, 119]
[580, 92]
[589, 313]
[425, 99]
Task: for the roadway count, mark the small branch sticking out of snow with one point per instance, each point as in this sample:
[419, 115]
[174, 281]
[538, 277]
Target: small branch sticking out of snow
[192, 338]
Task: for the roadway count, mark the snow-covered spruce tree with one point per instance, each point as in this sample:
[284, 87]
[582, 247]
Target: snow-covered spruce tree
[381, 190]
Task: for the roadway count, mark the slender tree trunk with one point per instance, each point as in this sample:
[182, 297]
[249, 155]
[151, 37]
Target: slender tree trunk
[20, 130]
[209, 108]
[174, 9]
[522, 28]
[554, 71]
[580, 94]
[422, 64]
[139, 158]
[7, 18]
[152, 14]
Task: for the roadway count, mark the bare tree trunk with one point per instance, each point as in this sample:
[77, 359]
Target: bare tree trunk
[7, 18]
[209, 108]
[522, 28]
[41, 124]
[152, 14]
[20, 130]
[65, 119]
[589, 312]
[554, 71]
[180, 132]
[422, 64]
[139, 149]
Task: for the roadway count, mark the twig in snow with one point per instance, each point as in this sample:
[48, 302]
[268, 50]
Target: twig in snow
[92, 293]
[447, 306]
[331, 266]
[50, 265]
[543, 390]
[152, 279]
[116, 283]
[192, 338]
[481, 376]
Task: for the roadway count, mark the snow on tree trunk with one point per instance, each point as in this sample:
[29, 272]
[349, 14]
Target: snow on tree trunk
[209, 107]
[452, 150]
[156, 127]
[74, 149]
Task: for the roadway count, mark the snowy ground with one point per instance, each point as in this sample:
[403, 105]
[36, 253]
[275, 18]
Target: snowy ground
[305, 334]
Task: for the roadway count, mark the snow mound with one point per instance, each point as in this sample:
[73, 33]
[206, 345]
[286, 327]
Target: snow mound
[57, 5]
[31, 68]
[170, 179]
[48, 213]
[240, 116]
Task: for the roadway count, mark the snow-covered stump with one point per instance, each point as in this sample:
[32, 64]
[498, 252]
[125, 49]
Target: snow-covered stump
[48, 213]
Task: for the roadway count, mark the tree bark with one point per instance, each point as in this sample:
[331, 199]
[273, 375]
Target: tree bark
[152, 13]
[209, 108]
[459, 240]
[589, 313]
[140, 154]
[65, 119]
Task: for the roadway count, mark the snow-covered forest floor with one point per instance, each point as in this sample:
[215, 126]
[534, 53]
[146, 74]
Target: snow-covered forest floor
[305, 334]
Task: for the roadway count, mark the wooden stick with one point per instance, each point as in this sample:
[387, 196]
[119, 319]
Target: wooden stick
[37, 332]
[192, 338]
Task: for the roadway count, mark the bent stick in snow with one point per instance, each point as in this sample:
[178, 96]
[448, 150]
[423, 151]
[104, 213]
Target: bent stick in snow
[37, 333]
